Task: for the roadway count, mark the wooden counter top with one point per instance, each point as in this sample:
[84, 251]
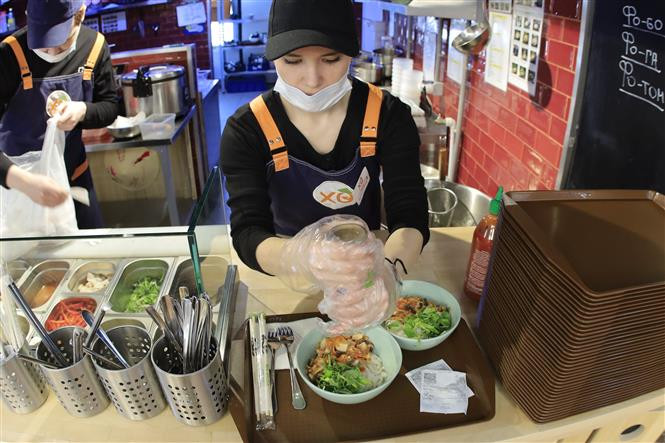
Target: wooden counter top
[444, 262]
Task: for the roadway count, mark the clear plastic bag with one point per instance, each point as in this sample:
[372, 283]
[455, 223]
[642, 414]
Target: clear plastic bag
[342, 257]
[20, 216]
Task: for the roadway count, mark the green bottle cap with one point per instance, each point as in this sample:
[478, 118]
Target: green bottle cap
[495, 204]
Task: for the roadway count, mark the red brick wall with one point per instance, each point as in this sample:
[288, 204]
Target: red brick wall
[510, 138]
[169, 33]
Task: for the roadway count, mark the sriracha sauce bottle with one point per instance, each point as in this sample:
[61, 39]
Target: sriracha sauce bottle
[481, 248]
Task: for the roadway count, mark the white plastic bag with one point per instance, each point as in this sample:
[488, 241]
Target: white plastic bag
[341, 256]
[20, 216]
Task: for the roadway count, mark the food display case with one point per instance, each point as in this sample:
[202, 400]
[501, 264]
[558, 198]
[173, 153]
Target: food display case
[124, 270]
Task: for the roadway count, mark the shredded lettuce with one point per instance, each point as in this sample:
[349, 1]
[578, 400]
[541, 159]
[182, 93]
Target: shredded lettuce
[144, 294]
[426, 323]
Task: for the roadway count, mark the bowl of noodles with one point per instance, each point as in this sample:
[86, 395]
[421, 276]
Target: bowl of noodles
[348, 369]
[426, 314]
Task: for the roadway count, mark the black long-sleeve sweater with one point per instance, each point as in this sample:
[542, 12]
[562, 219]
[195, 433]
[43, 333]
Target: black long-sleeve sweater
[245, 154]
[103, 109]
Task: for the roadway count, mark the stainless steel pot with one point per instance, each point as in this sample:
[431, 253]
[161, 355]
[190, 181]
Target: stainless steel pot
[156, 90]
[368, 72]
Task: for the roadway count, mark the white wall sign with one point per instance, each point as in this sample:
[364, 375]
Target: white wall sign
[525, 47]
[455, 65]
[497, 64]
[501, 6]
[191, 14]
[114, 22]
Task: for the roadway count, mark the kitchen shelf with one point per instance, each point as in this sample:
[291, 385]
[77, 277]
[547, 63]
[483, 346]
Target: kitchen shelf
[242, 20]
[236, 74]
[245, 46]
[95, 11]
[431, 8]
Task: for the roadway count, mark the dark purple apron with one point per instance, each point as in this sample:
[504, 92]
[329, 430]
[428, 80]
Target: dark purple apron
[297, 200]
[302, 194]
[23, 126]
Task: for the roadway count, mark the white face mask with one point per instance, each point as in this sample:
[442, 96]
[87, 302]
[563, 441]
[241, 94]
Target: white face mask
[322, 100]
[58, 57]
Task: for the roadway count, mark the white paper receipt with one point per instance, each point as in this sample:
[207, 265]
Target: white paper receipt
[443, 392]
[415, 376]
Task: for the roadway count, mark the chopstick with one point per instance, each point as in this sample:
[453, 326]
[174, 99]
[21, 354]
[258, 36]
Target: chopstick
[100, 357]
[37, 360]
[46, 339]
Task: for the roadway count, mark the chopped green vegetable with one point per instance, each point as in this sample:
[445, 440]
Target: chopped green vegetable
[427, 323]
[144, 293]
[342, 379]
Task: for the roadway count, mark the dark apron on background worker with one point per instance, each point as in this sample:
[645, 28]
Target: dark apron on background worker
[302, 194]
[23, 125]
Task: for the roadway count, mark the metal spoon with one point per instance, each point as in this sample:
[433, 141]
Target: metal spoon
[87, 316]
[152, 312]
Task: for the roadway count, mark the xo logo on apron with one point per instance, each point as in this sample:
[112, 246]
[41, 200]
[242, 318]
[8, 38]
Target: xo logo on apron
[337, 195]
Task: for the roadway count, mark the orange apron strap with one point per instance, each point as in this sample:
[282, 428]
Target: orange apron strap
[371, 122]
[79, 170]
[93, 56]
[26, 75]
[271, 133]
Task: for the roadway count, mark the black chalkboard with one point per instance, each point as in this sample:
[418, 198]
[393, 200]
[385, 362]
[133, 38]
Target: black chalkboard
[620, 137]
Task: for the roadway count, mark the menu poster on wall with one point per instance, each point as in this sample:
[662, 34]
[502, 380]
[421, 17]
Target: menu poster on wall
[92, 23]
[497, 64]
[114, 22]
[530, 3]
[505, 6]
[525, 46]
[455, 66]
[191, 14]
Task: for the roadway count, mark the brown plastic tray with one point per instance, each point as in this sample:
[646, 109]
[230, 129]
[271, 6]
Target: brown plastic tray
[527, 299]
[552, 370]
[552, 305]
[511, 233]
[507, 255]
[568, 348]
[394, 412]
[605, 240]
[606, 358]
[576, 405]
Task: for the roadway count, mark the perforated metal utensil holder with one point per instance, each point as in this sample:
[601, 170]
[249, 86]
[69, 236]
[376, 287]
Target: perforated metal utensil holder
[135, 392]
[77, 387]
[196, 399]
[21, 383]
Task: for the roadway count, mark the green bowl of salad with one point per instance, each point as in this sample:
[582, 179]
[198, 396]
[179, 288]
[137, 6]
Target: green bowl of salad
[348, 369]
[426, 315]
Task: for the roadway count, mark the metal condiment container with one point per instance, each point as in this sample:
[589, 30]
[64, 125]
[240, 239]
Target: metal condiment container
[21, 384]
[135, 392]
[196, 399]
[77, 386]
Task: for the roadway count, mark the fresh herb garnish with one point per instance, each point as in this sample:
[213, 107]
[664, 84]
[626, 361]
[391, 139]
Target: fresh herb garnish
[342, 379]
[427, 323]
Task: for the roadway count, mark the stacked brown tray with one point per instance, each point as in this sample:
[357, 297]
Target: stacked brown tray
[573, 315]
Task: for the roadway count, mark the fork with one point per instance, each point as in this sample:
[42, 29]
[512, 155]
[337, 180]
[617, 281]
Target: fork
[274, 343]
[286, 338]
